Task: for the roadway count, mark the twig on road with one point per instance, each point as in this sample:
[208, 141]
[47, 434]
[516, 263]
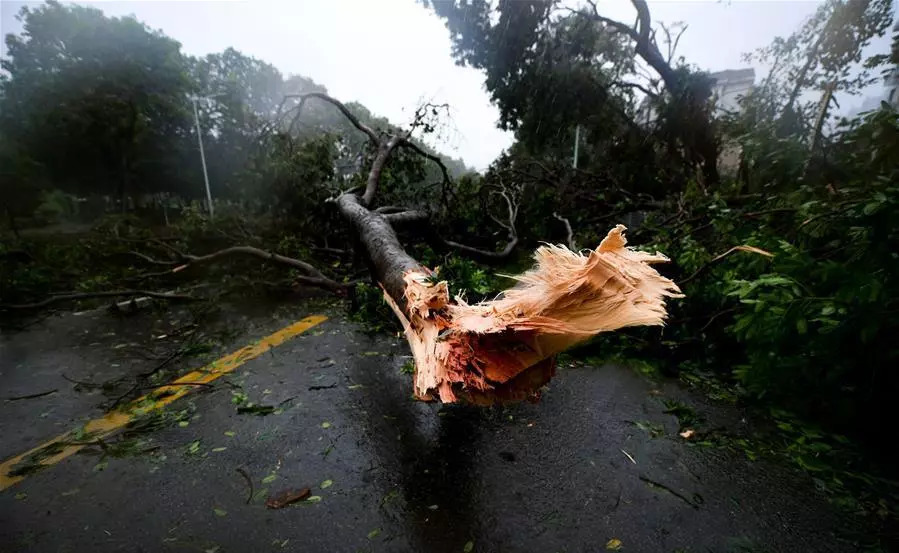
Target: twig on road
[81, 382]
[176, 354]
[249, 483]
[675, 493]
[32, 396]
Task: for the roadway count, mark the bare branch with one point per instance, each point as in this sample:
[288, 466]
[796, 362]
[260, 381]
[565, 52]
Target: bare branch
[638, 86]
[331, 251]
[641, 34]
[667, 39]
[92, 295]
[314, 278]
[569, 233]
[504, 253]
[385, 146]
[372, 135]
[377, 166]
[673, 49]
[149, 259]
[390, 209]
[412, 146]
[617, 25]
[406, 217]
[512, 197]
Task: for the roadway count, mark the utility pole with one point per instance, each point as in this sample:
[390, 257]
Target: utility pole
[195, 100]
[577, 142]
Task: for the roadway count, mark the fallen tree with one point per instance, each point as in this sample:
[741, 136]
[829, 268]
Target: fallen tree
[500, 350]
[495, 351]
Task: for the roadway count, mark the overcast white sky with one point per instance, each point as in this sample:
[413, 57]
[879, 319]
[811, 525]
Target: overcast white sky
[393, 54]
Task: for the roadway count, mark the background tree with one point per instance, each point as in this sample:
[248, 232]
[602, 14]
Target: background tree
[826, 51]
[98, 102]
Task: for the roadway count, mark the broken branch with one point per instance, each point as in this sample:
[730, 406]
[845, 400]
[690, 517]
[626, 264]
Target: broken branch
[512, 197]
[569, 236]
[93, 295]
[719, 257]
[32, 396]
[314, 278]
[249, 480]
[372, 135]
[406, 217]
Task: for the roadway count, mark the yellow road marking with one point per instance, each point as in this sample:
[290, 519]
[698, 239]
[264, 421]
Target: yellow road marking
[159, 398]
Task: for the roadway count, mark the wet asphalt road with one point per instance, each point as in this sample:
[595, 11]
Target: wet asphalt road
[567, 474]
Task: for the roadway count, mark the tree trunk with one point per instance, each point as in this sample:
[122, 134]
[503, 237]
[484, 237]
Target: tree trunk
[386, 255]
[800, 79]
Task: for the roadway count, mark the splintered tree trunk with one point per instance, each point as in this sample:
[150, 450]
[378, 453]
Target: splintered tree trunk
[501, 350]
[504, 350]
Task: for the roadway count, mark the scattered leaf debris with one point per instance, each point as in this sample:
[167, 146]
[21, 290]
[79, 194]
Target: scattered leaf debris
[270, 478]
[286, 497]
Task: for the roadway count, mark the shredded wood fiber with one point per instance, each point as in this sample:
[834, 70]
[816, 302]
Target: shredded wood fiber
[504, 350]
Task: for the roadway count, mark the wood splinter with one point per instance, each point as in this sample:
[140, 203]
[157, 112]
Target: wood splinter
[504, 350]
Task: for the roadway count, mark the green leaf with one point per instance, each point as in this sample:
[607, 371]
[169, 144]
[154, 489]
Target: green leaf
[314, 498]
[469, 547]
[258, 410]
[230, 433]
[374, 533]
[326, 424]
[21, 495]
[326, 484]
[218, 449]
[270, 478]
[220, 512]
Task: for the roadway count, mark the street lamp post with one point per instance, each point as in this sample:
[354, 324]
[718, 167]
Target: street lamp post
[195, 99]
[577, 143]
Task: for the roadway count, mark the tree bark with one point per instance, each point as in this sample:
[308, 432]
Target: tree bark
[389, 261]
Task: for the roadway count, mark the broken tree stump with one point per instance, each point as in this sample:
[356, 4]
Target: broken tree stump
[504, 350]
